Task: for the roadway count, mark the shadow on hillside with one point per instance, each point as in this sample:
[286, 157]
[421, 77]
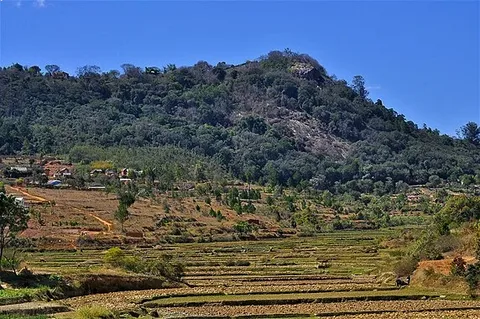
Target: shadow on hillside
[30, 280]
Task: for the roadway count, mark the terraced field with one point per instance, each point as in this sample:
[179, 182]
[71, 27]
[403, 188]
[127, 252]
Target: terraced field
[335, 274]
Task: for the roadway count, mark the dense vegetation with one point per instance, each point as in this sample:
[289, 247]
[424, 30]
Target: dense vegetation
[279, 120]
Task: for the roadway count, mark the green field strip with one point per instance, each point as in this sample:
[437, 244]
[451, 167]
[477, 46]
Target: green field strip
[287, 298]
[154, 298]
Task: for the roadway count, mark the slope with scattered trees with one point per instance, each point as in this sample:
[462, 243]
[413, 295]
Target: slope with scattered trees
[279, 120]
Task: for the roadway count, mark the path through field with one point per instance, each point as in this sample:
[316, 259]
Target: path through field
[36, 198]
[103, 221]
[11, 189]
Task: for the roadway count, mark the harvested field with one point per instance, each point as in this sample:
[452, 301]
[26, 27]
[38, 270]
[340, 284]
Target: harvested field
[332, 274]
[364, 309]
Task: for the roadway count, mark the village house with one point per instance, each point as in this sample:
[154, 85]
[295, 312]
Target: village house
[57, 169]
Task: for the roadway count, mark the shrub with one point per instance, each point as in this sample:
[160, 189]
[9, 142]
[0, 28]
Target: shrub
[212, 213]
[472, 276]
[93, 312]
[166, 267]
[163, 266]
[243, 227]
[458, 266]
[269, 200]
[241, 263]
[406, 266]
[114, 256]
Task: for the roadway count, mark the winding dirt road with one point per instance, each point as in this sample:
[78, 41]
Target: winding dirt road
[35, 198]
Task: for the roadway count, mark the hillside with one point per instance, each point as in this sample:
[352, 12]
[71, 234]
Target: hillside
[280, 120]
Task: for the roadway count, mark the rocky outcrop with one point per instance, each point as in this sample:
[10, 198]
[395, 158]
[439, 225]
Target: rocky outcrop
[307, 71]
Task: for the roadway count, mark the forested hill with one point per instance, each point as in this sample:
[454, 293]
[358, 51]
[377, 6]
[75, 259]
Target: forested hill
[280, 119]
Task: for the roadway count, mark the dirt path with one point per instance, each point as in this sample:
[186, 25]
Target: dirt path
[103, 221]
[44, 200]
[24, 192]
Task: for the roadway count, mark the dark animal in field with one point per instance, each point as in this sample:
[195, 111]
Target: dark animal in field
[400, 283]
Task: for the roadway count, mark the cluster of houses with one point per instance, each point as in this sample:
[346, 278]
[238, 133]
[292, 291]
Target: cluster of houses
[54, 172]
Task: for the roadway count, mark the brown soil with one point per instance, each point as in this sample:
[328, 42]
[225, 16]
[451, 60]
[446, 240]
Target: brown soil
[442, 266]
[66, 215]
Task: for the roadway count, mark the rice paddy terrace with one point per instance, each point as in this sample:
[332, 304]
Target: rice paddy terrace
[340, 274]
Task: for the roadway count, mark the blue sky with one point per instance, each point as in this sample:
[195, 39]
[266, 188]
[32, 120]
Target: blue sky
[420, 58]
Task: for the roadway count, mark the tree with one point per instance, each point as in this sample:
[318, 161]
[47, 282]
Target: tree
[126, 198]
[35, 70]
[471, 132]
[13, 219]
[358, 85]
[131, 70]
[88, 70]
[121, 214]
[52, 69]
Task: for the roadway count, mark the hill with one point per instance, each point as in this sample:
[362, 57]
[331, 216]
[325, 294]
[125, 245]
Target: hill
[280, 120]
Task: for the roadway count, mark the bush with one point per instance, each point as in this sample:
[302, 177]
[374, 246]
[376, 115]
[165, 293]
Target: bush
[458, 266]
[114, 256]
[93, 312]
[240, 263]
[472, 276]
[270, 201]
[243, 227]
[163, 266]
[406, 266]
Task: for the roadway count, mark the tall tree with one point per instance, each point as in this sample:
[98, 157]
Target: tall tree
[13, 219]
[358, 85]
[471, 132]
[126, 198]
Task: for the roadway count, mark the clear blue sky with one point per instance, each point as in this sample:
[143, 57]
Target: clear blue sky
[420, 58]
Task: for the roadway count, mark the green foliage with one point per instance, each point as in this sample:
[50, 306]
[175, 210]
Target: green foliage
[114, 256]
[458, 266]
[406, 266]
[190, 123]
[164, 266]
[16, 316]
[93, 312]
[269, 200]
[471, 132]
[472, 276]
[243, 227]
[307, 220]
[13, 219]
[462, 208]
[126, 197]
[425, 247]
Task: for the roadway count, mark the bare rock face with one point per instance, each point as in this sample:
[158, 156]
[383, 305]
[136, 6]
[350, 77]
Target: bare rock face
[307, 71]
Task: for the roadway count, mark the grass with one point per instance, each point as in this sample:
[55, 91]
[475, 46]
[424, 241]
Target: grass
[23, 317]
[20, 293]
[244, 299]
[92, 312]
